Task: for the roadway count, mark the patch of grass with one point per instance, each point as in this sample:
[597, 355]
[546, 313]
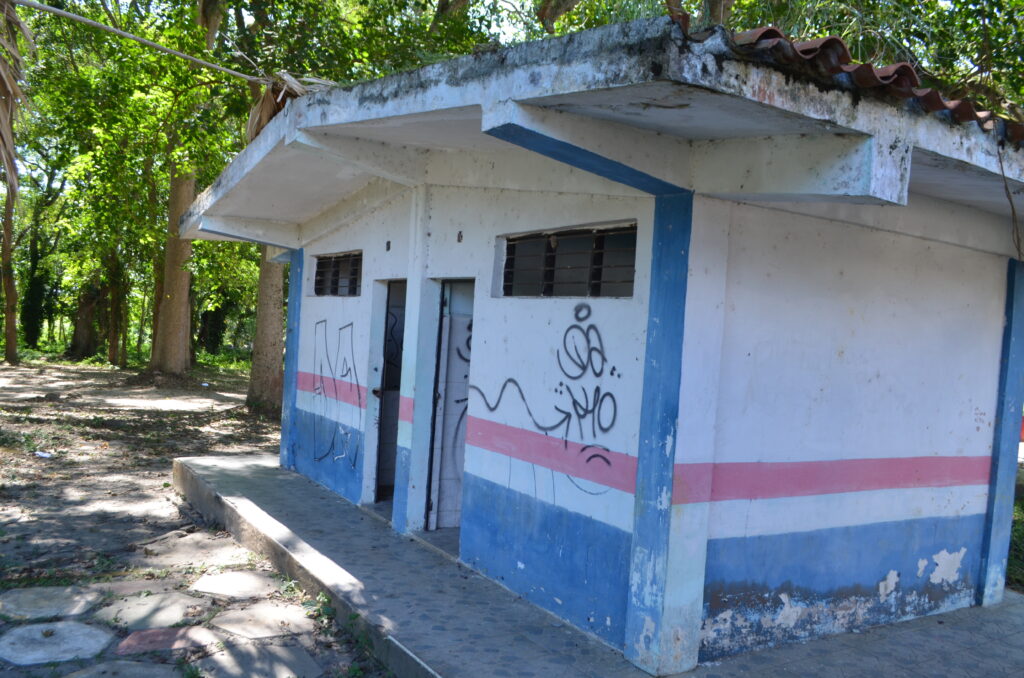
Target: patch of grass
[228, 360]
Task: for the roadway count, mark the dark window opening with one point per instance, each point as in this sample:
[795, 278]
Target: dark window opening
[338, 275]
[580, 263]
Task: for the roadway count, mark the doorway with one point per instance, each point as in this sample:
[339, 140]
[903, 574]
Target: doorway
[451, 402]
[390, 391]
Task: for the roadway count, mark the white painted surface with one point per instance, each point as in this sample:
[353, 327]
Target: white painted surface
[843, 342]
[456, 234]
[782, 515]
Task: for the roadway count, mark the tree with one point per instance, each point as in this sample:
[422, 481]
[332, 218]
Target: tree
[266, 378]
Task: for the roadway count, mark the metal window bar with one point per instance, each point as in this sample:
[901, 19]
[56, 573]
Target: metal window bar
[606, 262]
[338, 275]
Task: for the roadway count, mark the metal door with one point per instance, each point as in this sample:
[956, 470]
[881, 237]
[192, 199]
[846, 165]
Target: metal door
[450, 405]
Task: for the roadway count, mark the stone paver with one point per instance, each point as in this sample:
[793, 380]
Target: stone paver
[236, 585]
[52, 642]
[130, 587]
[265, 619]
[150, 612]
[167, 639]
[197, 549]
[45, 602]
[463, 626]
[260, 661]
[126, 669]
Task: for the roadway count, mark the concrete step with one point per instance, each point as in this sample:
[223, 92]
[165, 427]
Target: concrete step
[424, 615]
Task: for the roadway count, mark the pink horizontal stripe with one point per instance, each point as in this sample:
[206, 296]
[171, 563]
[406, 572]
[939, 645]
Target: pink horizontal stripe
[405, 406]
[550, 452]
[694, 483]
[348, 392]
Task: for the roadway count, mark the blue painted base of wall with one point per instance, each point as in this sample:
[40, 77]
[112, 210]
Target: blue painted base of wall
[548, 554]
[400, 508]
[762, 591]
[339, 449]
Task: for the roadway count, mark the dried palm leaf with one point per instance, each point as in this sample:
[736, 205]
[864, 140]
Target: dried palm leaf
[12, 98]
[211, 13]
[272, 98]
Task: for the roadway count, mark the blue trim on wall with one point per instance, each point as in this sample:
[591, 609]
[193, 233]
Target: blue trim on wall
[341, 471]
[835, 575]
[291, 360]
[565, 562]
[1007, 438]
[583, 159]
[659, 420]
[673, 216]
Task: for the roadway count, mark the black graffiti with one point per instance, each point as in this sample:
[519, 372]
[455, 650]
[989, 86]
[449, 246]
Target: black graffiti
[590, 409]
[593, 453]
[597, 406]
[330, 367]
[467, 345]
[582, 347]
[563, 422]
[393, 346]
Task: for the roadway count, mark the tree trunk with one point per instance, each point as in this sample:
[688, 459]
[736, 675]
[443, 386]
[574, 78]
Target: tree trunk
[85, 339]
[266, 379]
[115, 277]
[10, 291]
[171, 339]
[34, 292]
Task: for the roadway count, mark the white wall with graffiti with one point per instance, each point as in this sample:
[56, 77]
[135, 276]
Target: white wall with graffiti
[553, 403]
[334, 368]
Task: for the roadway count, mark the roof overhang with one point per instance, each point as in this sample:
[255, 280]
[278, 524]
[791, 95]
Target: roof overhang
[674, 112]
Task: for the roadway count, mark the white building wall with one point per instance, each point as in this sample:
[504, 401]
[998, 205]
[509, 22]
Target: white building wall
[841, 458]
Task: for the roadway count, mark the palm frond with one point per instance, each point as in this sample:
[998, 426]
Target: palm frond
[12, 98]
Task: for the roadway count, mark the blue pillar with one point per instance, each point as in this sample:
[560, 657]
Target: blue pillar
[1002, 480]
[289, 435]
[654, 639]
[665, 605]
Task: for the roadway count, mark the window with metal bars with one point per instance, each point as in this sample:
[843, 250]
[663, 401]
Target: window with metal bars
[577, 263]
[338, 275]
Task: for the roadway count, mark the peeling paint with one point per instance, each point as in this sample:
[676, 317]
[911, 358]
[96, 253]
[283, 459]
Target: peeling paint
[947, 566]
[888, 585]
[922, 565]
[790, 614]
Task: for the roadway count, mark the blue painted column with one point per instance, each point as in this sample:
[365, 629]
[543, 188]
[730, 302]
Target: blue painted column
[654, 641]
[664, 610]
[289, 435]
[996, 544]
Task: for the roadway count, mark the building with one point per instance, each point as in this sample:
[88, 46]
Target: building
[702, 346]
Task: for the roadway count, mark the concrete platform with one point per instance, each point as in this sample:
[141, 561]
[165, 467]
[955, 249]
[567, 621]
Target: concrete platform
[427, 617]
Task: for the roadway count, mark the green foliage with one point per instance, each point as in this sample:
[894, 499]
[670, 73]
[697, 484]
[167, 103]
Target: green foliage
[1015, 562]
[111, 117]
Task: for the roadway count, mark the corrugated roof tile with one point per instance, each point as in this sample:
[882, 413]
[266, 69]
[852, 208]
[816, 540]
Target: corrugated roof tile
[830, 56]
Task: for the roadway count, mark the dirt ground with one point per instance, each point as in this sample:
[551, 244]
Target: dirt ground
[85, 478]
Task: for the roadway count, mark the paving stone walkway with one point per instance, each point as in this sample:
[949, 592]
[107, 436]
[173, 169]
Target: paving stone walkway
[460, 625]
[194, 601]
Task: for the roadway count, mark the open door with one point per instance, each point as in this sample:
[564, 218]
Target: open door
[451, 402]
[390, 396]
